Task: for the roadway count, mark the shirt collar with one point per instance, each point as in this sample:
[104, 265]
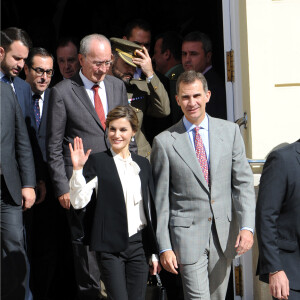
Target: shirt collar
[190, 126]
[171, 70]
[2, 75]
[88, 83]
[207, 69]
[42, 95]
[115, 155]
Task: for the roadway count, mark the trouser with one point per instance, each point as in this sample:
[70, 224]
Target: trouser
[125, 273]
[208, 277]
[86, 268]
[14, 262]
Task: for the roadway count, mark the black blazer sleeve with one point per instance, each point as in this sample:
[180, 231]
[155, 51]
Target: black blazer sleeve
[271, 197]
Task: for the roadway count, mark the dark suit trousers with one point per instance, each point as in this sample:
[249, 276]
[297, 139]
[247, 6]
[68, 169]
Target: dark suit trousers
[125, 273]
[14, 262]
[294, 295]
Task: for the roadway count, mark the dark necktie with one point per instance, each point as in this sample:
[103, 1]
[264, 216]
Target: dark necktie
[6, 79]
[201, 154]
[36, 109]
[98, 105]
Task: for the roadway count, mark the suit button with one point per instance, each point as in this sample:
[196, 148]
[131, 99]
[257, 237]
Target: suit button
[212, 201]
[209, 219]
[155, 88]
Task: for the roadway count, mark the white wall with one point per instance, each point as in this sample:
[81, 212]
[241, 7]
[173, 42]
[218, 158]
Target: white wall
[273, 29]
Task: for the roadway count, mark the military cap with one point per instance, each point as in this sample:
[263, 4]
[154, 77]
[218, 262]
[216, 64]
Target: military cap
[125, 49]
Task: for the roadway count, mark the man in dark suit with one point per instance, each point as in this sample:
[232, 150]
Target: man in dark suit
[278, 222]
[78, 107]
[197, 55]
[17, 192]
[44, 236]
[14, 48]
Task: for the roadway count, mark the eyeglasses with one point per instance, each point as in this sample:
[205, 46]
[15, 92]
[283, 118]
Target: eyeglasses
[105, 63]
[40, 72]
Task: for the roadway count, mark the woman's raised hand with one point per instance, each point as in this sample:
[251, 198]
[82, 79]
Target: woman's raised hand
[77, 154]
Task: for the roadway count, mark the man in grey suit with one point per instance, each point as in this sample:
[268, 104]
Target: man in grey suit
[78, 107]
[17, 192]
[204, 194]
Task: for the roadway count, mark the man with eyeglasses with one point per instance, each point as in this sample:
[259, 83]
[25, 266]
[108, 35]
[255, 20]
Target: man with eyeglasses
[42, 224]
[78, 107]
[14, 47]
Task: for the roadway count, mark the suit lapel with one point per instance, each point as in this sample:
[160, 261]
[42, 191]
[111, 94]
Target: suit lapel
[109, 94]
[45, 110]
[80, 92]
[182, 145]
[298, 150]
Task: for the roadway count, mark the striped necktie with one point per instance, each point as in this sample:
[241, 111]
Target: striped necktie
[201, 154]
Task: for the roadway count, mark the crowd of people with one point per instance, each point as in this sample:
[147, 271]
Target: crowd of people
[118, 163]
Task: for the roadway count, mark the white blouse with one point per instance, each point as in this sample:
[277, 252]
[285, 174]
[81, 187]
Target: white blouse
[128, 170]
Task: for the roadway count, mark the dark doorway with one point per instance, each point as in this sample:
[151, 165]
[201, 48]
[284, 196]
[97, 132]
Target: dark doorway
[47, 21]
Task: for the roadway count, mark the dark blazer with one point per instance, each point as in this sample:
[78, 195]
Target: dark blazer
[17, 165]
[70, 114]
[108, 228]
[216, 107]
[23, 92]
[278, 215]
[38, 138]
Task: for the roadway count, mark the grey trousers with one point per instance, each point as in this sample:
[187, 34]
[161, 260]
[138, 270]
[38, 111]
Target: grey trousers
[208, 277]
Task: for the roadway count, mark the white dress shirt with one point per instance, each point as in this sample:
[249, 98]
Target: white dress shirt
[102, 92]
[41, 102]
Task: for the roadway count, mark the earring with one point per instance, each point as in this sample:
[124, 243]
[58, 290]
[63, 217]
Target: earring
[132, 138]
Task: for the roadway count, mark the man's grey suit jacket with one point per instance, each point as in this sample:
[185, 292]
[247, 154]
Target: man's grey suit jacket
[17, 165]
[70, 114]
[186, 206]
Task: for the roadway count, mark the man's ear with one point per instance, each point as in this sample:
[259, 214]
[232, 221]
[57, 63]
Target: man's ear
[26, 69]
[208, 94]
[2, 54]
[167, 54]
[80, 58]
[177, 100]
[208, 57]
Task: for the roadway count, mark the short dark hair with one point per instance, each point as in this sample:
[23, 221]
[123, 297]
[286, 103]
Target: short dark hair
[65, 40]
[37, 51]
[197, 36]
[171, 40]
[141, 23]
[12, 34]
[190, 77]
[126, 112]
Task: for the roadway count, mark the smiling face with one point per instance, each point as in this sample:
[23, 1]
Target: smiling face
[12, 61]
[39, 83]
[120, 133]
[192, 99]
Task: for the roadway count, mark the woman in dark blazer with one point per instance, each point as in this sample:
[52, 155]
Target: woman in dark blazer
[121, 213]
